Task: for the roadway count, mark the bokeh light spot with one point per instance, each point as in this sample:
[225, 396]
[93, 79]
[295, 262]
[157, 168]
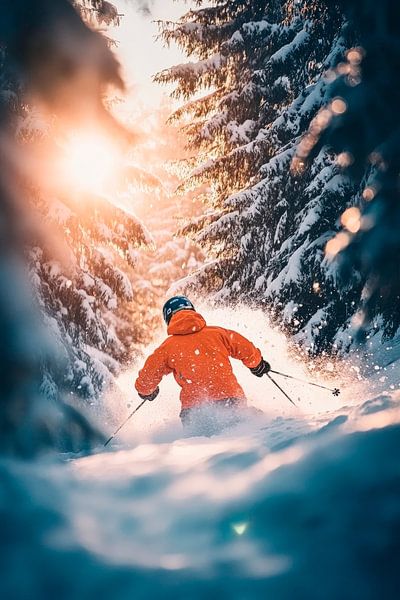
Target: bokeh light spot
[351, 219]
[368, 194]
[344, 159]
[240, 528]
[338, 106]
[338, 243]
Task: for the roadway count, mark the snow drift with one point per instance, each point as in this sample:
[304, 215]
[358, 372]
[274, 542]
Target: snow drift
[277, 513]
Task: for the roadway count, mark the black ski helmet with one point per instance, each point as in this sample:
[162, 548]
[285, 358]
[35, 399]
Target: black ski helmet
[175, 304]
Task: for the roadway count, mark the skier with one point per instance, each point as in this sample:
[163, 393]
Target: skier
[198, 356]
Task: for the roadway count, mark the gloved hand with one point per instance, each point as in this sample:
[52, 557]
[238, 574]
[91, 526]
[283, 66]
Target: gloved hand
[262, 369]
[150, 397]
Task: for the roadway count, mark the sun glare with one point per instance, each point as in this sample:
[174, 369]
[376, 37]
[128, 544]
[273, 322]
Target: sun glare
[90, 162]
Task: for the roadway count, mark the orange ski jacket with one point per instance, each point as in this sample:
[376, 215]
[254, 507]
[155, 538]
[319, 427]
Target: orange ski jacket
[198, 356]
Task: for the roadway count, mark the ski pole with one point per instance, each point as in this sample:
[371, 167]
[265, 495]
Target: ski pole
[335, 391]
[126, 420]
[279, 388]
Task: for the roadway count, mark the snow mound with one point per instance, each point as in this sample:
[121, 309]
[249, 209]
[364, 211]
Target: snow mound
[297, 508]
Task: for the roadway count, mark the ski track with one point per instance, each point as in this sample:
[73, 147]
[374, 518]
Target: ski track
[299, 503]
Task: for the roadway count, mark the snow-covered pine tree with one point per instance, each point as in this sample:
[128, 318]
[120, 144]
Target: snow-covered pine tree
[80, 296]
[263, 67]
[365, 130]
[83, 274]
[98, 12]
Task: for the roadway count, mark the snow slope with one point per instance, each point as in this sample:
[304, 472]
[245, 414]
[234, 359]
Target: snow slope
[301, 503]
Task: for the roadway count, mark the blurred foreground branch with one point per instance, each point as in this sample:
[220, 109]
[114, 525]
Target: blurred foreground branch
[50, 59]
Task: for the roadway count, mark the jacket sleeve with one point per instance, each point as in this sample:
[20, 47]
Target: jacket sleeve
[241, 348]
[153, 371]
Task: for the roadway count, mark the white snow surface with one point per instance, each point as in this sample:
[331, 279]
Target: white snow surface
[299, 502]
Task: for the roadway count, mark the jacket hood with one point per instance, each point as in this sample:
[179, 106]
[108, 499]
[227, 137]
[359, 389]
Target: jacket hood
[185, 322]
